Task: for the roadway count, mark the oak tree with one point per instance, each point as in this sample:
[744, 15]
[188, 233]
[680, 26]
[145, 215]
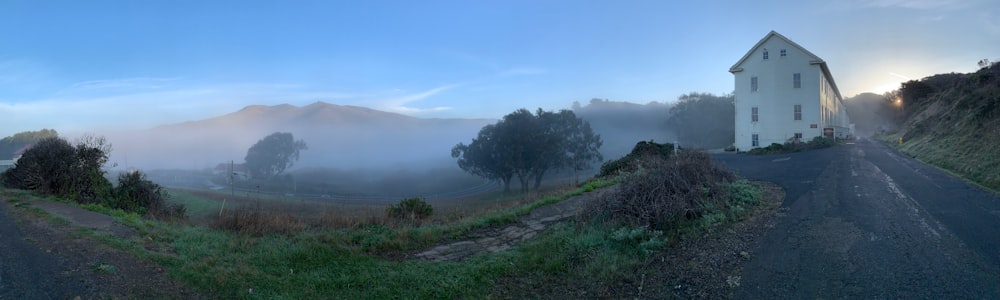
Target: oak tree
[273, 154]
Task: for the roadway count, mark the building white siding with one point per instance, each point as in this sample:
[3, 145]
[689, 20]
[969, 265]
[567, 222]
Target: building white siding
[777, 95]
[6, 164]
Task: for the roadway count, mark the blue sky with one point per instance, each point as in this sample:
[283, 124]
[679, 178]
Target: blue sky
[93, 65]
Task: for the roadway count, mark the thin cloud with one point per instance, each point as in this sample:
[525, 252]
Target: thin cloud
[401, 104]
[138, 82]
[900, 76]
[413, 111]
[912, 4]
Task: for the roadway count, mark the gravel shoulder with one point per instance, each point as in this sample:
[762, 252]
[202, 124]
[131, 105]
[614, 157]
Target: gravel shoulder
[707, 266]
[49, 252]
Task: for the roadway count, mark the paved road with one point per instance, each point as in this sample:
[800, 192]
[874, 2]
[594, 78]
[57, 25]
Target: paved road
[864, 221]
[27, 272]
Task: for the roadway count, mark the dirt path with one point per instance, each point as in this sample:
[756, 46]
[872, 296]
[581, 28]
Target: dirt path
[49, 256]
[496, 239]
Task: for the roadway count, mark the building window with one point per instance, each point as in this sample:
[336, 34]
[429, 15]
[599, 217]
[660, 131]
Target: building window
[765, 54]
[797, 80]
[756, 141]
[753, 84]
[798, 136]
[798, 112]
[783, 52]
[753, 114]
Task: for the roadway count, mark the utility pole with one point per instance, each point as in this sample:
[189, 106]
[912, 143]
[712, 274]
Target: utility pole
[232, 181]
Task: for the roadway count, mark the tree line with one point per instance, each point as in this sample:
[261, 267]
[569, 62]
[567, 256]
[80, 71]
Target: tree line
[11, 144]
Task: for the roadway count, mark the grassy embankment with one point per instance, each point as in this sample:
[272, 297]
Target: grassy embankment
[365, 260]
[953, 121]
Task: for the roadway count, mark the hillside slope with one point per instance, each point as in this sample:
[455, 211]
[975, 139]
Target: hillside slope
[953, 121]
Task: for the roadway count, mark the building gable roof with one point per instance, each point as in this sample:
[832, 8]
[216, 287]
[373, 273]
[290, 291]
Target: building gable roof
[813, 58]
[22, 150]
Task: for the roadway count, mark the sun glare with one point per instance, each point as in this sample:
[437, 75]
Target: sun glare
[888, 87]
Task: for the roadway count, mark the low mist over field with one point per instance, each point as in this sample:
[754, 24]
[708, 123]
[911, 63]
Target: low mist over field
[353, 150]
[353, 137]
[347, 137]
[694, 120]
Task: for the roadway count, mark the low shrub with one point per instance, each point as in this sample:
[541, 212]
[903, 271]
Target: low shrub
[820, 142]
[666, 191]
[410, 209]
[643, 240]
[135, 193]
[792, 146]
[628, 162]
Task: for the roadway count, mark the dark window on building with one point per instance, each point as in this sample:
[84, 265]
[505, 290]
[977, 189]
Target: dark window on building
[798, 112]
[756, 141]
[765, 54]
[753, 84]
[798, 136]
[797, 80]
[783, 52]
[753, 114]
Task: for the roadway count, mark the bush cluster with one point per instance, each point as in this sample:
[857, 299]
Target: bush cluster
[410, 209]
[136, 193]
[628, 162]
[54, 167]
[792, 146]
[665, 191]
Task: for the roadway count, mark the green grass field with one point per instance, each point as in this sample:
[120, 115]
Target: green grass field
[365, 261]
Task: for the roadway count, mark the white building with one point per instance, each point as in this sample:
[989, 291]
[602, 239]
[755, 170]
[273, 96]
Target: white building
[785, 93]
[9, 164]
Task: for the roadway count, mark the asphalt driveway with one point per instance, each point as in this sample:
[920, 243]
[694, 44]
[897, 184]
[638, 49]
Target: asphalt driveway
[864, 221]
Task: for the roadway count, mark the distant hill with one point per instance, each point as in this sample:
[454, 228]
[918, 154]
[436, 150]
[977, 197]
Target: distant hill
[622, 124]
[953, 121]
[337, 135]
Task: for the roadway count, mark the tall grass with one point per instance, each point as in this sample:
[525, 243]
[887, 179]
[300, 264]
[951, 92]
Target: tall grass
[965, 154]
